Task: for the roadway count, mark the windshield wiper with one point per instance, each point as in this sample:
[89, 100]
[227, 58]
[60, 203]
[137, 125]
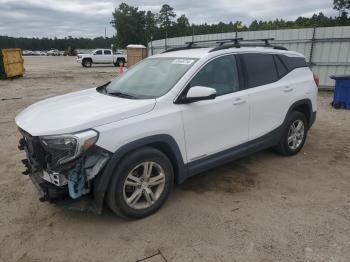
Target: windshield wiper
[102, 89]
[122, 95]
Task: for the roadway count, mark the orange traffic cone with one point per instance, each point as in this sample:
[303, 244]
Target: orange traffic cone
[121, 69]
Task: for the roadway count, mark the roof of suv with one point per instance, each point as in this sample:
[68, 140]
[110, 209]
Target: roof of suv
[202, 52]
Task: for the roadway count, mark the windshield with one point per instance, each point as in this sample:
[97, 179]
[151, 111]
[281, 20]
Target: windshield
[151, 77]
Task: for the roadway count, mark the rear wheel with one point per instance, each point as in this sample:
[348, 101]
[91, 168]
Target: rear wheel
[294, 135]
[120, 62]
[141, 184]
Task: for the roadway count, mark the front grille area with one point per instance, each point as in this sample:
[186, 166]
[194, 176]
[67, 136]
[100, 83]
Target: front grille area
[35, 152]
[40, 156]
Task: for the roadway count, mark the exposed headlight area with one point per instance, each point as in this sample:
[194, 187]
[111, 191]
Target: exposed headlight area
[66, 164]
[65, 148]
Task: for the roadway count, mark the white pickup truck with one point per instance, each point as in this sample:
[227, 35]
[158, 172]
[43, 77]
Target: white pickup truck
[102, 56]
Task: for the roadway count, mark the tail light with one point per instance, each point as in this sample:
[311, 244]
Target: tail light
[317, 80]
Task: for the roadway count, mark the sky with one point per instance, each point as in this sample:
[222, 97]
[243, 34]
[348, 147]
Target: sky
[88, 18]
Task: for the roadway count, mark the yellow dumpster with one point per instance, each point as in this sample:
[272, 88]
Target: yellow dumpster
[11, 63]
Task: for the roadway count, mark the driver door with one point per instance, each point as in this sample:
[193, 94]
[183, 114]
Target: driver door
[98, 57]
[212, 126]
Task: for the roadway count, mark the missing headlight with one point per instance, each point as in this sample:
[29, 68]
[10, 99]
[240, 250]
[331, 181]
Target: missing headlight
[64, 148]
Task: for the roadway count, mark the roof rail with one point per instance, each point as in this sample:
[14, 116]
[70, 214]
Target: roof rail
[228, 43]
[190, 45]
[182, 48]
[217, 41]
[238, 44]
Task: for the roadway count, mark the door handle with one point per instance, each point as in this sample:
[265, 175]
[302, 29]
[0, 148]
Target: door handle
[238, 101]
[288, 89]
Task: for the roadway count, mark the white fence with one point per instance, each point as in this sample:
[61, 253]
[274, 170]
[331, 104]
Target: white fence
[326, 49]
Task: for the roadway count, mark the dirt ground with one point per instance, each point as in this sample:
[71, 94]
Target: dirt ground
[262, 208]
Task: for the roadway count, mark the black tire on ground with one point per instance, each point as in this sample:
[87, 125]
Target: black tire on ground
[87, 63]
[116, 196]
[286, 148]
[120, 61]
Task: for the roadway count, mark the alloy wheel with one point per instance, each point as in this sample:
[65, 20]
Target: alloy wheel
[296, 134]
[144, 185]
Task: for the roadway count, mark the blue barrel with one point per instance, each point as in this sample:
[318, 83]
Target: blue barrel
[341, 91]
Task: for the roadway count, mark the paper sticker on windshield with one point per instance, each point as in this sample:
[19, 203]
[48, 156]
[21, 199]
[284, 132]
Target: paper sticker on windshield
[183, 61]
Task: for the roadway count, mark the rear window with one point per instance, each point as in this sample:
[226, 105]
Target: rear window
[281, 68]
[107, 52]
[293, 62]
[260, 68]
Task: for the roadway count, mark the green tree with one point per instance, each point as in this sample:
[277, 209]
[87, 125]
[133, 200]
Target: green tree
[129, 23]
[150, 25]
[182, 26]
[166, 17]
[341, 6]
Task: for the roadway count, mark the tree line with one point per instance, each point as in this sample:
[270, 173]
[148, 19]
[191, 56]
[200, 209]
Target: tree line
[135, 26]
[66, 43]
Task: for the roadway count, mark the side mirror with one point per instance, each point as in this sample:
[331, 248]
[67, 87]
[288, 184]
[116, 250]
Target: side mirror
[198, 93]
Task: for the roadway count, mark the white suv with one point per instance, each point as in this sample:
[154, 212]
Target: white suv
[169, 117]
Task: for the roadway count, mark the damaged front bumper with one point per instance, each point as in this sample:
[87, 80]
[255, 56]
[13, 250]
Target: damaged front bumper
[70, 185]
[60, 196]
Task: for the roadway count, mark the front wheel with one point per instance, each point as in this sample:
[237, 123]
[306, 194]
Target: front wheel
[141, 184]
[87, 63]
[294, 135]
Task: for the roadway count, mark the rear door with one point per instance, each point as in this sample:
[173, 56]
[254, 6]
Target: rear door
[269, 96]
[212, 126]
[108, 56]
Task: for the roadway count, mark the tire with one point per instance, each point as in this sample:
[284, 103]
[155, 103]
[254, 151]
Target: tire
[128, 194]
[120, 61]
[291, 143]
[87, 63]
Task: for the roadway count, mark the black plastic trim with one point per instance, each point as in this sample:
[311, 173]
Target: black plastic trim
[312, 119]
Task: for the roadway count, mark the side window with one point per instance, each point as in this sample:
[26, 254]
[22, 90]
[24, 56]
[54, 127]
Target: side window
[220, 74]
[281, 68]
[98, 52]
[107, 52]
[261, 69]
[293, 62]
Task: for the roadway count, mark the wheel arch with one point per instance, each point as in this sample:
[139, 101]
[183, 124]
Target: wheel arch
[121, 59]
[303, 106]
[87, 58]
[164, 143]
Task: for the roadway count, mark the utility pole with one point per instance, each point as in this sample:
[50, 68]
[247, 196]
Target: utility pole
[151, 44]
[166, 37]
[192, 32]
[105, 36]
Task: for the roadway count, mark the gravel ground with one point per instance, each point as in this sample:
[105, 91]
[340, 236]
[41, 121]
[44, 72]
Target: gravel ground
[261, 208]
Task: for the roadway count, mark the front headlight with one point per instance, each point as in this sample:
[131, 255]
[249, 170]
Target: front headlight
[64, 148]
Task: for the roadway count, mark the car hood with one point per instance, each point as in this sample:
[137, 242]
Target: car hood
[79, 111]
